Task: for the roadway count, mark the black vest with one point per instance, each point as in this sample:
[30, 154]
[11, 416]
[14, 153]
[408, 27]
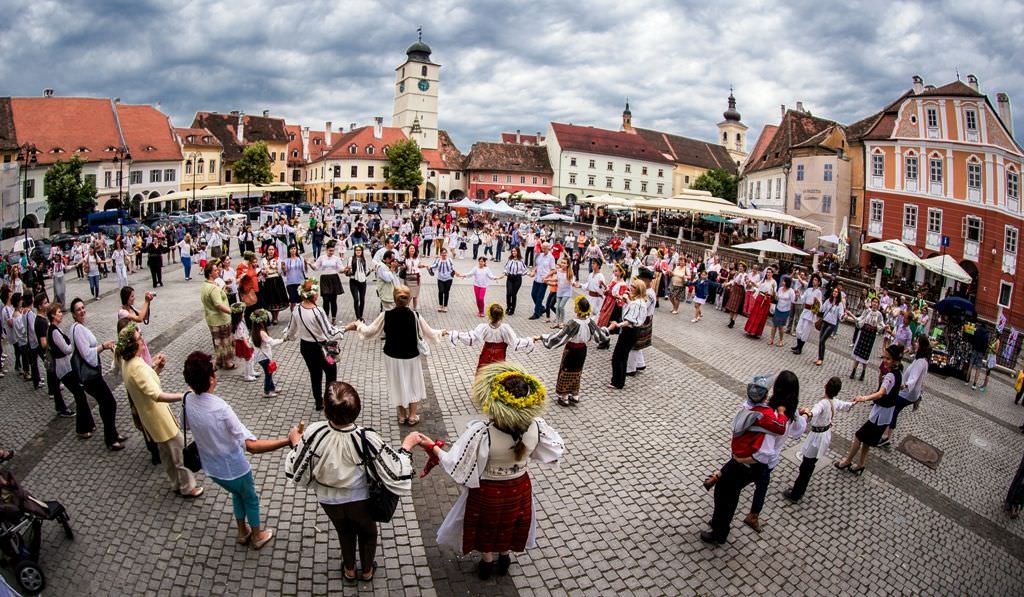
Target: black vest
[889, 400]
[400, 333]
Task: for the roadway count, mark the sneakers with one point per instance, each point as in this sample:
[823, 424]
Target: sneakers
[695, 320]
[248, 378]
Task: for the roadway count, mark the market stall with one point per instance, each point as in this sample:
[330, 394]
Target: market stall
[952, 337]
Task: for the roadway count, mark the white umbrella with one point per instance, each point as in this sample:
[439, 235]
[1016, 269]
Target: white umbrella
[946, 266]
[465, 203]
[770, 245]
[831, 239]
[893, 249]
[552, 217]
[503, 195]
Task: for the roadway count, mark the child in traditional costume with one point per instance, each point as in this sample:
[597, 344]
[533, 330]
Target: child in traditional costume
[816, 446]
[575, 336]
[240, 334]
[868, 325]
[495, 337]
[645, 333]
[496, 512]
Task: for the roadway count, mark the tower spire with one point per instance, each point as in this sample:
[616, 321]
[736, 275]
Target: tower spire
[419, 33]
[627, 118]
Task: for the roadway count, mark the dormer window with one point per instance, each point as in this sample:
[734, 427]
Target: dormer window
[57, 150]
[190, 139]
[316, 141]
[206, 138]
[150, 148]
[110, 148]
[385, 150]
[291, 136]
[83, 149]
[352, 149]
[369, 150]
[295, 153]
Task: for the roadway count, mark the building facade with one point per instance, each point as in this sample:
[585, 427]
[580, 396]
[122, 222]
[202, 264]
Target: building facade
[943, 175]
[202, 157]
[417, 82]
[237, 130]
[156, 158]
[819, 183]
[493, 168]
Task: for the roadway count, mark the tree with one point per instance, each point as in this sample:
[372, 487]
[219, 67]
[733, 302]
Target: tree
[69, 196]
[404, 160]
[717, 182]
[254, 165]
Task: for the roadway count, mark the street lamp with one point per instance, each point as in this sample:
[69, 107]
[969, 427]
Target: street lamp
[193, 158]
[27, 157]
[121, 155]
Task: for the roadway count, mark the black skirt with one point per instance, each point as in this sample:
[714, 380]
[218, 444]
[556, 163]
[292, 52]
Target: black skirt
[331, 284]
[273, 294]
[870, 434]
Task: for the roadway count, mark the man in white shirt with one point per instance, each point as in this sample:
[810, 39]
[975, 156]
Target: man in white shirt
[378, 257]
[387, 279]
[544, 263]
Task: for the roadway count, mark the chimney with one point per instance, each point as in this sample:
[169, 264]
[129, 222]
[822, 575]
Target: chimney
[378, 127]
[918, 84]
[782, 107]
[929, 87]
[1005, 114]
[972, 82]
[304, 133]
[519, 138]
[117, 101]
[539, 138]
[799, 106]
[240, 129]
[351, 126]
[234, 112]
[47, 92]
[266, 113]
[327, 133]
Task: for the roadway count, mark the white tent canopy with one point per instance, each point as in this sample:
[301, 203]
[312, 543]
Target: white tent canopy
[487, 205]
[831, 239]
[555, 218]
[465, 203]
[893, 249]
[225, 190]
[770, 245]
[506, 209]
[946, 266]
[503, 195]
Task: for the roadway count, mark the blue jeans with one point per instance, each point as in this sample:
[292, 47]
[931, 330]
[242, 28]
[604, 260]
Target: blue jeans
[537, 294]
[268, 377]
[186, 262]
[94, 285]
[244, 500]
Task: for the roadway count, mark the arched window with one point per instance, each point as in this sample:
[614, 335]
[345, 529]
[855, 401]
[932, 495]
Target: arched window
[369, 150]
[385, 150]
[423, 71]
[738, 138]
[352, 149]
[725, 137]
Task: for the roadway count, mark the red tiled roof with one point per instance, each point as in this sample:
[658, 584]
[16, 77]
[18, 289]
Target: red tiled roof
[446, 157]
[148, 134]
[762, 142]
[508, 157]
[199, 137]
[956, 88]
[362, 138]
[604, 142]
[255, 128]
[67, 123]
[795, 128]
[8, 138]
[692, 152]
[523, 139]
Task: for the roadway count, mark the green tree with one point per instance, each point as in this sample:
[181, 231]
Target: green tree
[404, 171]
[717, 182]
[69, 195]
[254, 165]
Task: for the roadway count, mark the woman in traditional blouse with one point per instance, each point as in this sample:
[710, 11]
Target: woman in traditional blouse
[310, 325]
[88, 348]
[882, 408]
[574, 336]
[633, 315]
[444, 269]
[273, 295]
[330, 265]
[515, 269]
[357, 272]
[811, 299]
[329, 461]
[868, 324]
[832, 311]
[784, 296]
[496, 510]
[61, 348]
[222, 441]
[737, 289]
[294, 268]
[913, 382]
[403, 331]
[764, 292]
[495, 337]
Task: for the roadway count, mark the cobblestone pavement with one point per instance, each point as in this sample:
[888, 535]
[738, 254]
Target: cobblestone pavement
[620, 517]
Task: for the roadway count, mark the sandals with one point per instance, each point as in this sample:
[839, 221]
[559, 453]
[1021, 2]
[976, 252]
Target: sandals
[412, 421]
[402, 420]
[562, 401]
[839, 465]
[349, 580]
[373, 572]
[817, 363]
[711, 480]
[858, 471]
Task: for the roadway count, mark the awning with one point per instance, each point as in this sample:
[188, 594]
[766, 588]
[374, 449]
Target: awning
[893, 249]
[224, 190]
[767, 215]
[606, 201]
[770, 245]
[946, 266]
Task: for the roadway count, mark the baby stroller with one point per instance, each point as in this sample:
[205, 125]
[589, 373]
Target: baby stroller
[21, 517]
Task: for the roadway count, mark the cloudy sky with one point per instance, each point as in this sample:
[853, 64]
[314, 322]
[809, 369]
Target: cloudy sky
[512, 63]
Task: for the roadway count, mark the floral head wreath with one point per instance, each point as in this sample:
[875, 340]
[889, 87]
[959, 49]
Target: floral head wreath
[309, 289]
[249, 255]
[621, 269]
[260, 316]
[578, 304]
[508, 411]
[126, 335]
[238, 307]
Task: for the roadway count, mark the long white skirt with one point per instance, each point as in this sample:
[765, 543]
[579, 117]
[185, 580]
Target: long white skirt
[450, 533]
[405, 381]
[635, 361]
[805, 327]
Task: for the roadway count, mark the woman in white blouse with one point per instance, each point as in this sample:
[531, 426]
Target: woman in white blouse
[120, 258]
[913, 383]
[90, 376]
[833, 309]
[633, 316]
[515, 269]
[330, 265]
[357, 273]
[495, 337]
[482, 277]
[820, 418]
[784, 296]
[316, 334]
[882, 408]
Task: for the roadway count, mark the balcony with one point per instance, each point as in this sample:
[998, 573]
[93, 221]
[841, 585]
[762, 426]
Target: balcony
[909, 236]
[933, 240]
[974, 194]
[1010, 263]
[875, 229]
[972, 250]
[910, 185]
[878, 182]
[933, 132]
[935, 187]
[972, 135]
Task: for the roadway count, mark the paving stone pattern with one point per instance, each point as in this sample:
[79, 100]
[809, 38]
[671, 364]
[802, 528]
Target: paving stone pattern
[621, 516]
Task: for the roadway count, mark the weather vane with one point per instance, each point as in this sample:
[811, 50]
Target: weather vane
[419, 32]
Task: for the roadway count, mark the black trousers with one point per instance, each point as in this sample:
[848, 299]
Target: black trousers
[32, 355]
[512, 292]
[444, 289]
[528, 258]
[331, 305]
[625, 343]
[762, 478]
[549, 306]
[476, 249]
[735, 477]
[358, 296]
[806, 470]
[100, 391]
[53, 385]
[318, 368]
[156, 271]
[353, 523]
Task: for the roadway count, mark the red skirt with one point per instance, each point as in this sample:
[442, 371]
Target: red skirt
[498, 516]
[758, 316]
[493, 352]
[242, 350]
[748, 302]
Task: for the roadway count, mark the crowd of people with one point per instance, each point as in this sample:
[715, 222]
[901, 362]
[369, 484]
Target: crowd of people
[351, 469]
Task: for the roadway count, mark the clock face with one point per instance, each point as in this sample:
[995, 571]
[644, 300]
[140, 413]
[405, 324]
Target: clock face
[424, 85]
[401, 87]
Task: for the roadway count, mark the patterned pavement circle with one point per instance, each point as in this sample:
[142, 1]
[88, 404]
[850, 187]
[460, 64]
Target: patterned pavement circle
[620, 517]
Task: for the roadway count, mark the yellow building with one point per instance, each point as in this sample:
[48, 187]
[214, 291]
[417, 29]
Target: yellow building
[236, 131]
[202, 158]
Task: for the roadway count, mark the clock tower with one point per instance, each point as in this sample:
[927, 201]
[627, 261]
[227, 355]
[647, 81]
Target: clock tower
[416, 85]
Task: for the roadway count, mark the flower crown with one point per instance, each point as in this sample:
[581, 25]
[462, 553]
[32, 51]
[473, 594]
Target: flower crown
[499, 404]
[238, 307]
[309, 289]
[500, 394]
[126, 335]
[580, 311]
[249, 255]
[260, 316]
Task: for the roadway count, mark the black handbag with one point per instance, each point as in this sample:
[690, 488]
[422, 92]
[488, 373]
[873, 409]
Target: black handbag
[381, 502]
[82, 369]
[190, 455]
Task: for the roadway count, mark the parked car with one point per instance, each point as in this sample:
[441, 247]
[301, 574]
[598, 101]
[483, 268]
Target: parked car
[305, 207]
[63, 240]
[355, 207]
[373, 207]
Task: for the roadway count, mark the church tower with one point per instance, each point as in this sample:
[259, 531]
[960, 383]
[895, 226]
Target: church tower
[732, 134]
[627, 119]
[416, 86]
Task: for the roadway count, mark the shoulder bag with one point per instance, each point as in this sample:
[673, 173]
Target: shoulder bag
[80, 366]
[381, 502]
[190, 455]
[421, 346]
[330, 347]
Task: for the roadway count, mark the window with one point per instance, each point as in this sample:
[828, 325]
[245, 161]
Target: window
[643, 170]
[853, 206]
[796, 201]
[120, 177]
[828, 172]
[611, 166]
[508, 178]
[876, 210]
[154, 176]
[295, 175]
[227, 176]
[971, 118]
[369, 150]
[30, 188]
[661, 188]
[188, 170]
[108, 175]
[643, 186]
[1013, 187]
[369, 171]
[522, 180]
[572, 161]
[458, 175]
[932, 118]
[352, 149]
[572, 178]
[1005, 293]
[661, 173]
[778, 188]
[910, 216]
[629, 168]
[826, 204]
[608, 182]
[934, 220]
[935, 170]
[199, 166]
[354, 171]
[799, 172]
[534, 180]
[592, 163]
[686, 180]
[626, 184]
[757, 190]
[1010, 237]
[423, 71]
[280, 177]
[544, 180]
[974, 175]
[910, 166]
[590, 180]
[973, 229]
[878, 165]
[213, 166]
[494, 178]
[136, 177]
[386, 172]
[169, 175]
[91, 179]
[336, 171]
